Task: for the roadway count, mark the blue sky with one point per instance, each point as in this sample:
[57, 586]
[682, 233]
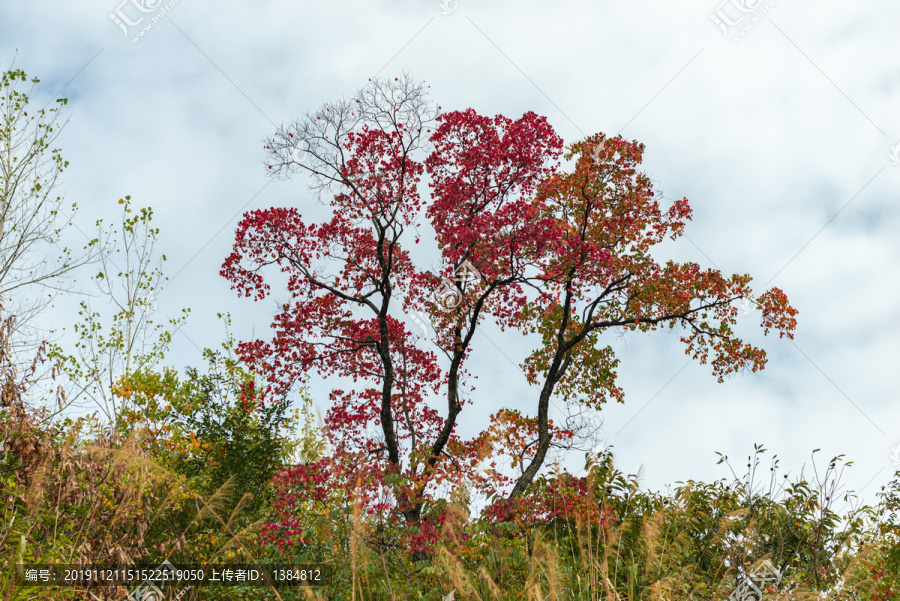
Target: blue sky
[778, 127]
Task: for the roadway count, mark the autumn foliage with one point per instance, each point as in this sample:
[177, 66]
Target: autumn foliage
[562, 243]
[562, 252]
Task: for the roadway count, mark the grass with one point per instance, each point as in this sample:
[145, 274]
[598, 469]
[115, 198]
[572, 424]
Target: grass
[79, 492]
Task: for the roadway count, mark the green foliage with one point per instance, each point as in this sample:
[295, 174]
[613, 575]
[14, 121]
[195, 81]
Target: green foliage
[33, 220]
[70, 491]
[212, 429]
[129, 282]
[885, 564]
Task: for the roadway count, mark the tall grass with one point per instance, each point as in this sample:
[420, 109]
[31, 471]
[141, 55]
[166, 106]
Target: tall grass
[77, 492]
[690, 544]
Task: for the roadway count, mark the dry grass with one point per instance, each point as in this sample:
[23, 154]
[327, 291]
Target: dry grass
[73, 499]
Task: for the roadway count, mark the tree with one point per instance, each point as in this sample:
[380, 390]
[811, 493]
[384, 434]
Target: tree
[31, 225]
[127, 279]
[586, 251]
[562, 255]
[209, 427]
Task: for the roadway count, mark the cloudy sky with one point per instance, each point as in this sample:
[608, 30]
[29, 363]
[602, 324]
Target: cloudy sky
[776, 120]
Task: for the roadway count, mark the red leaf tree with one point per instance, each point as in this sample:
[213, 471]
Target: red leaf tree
[564, 255]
